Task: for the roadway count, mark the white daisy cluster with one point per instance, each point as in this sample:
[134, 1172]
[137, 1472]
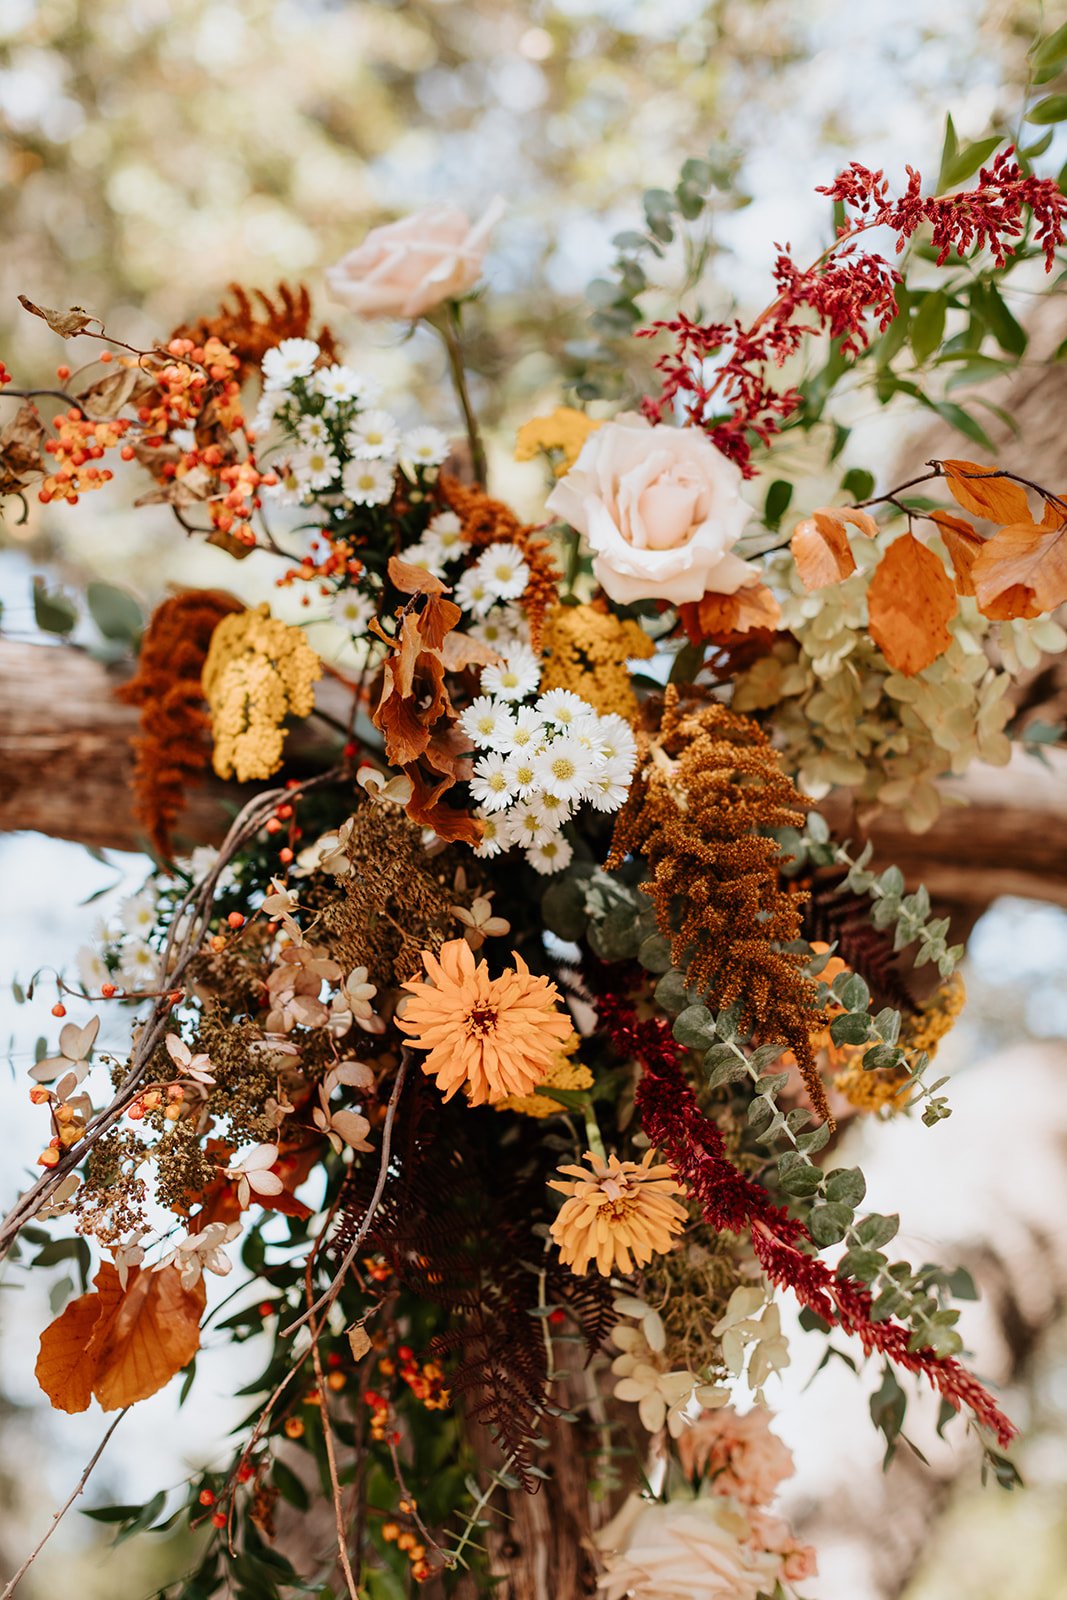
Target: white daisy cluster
[339, 442]
[541, 761]
[487, 590]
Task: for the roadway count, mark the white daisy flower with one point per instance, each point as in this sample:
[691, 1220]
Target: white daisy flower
[425, 447]
[473, 593]
[339, 383]
[313, 430]
[491, 784]
[516, 677]
[139, 967]
[445, 533]
[290, 487]
[552, 856]
[368, 483]
[551, 809]
[563, 707]
[495, 630]
[317, 466]
[526, 827]
[522, 770]
[353, 611]
[493, 839]
[504, 571]
[617, 738]
[293, 358]
[488, 724]
[609, 786]
[374, 436]
[564, 768]
[138, 914]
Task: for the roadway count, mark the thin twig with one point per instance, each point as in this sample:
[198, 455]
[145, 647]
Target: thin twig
[57, 1516]
[450, 329]
[331, 1455]
[326, 1300]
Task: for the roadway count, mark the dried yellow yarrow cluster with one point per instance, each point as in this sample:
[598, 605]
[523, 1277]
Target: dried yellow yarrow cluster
[563, 1073]
[588, 651]
[560, 436]
[258, 671]
[843, 717]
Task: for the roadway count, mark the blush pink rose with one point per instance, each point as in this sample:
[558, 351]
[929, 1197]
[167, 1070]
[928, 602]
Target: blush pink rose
[773, 1536]
[660, 508]
[738, 1454]
[406, 268]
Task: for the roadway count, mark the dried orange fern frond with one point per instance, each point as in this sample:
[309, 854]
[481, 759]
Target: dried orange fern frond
[487, 521]
[174, 745]
[253, 322]
[707, 783]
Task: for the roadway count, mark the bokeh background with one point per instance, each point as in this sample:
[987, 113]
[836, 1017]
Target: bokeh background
[151, 151]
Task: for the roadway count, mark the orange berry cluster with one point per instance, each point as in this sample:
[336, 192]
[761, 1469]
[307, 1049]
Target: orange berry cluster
[68, 1121]
[427, 1383]
[153, 1099]
[79, 442]
[407, 1541]
[340, 561]
[379, 1409]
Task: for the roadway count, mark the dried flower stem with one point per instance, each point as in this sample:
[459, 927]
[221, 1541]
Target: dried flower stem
[328, 1440]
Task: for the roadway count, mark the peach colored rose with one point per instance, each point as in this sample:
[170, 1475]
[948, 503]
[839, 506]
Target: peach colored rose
[661, 509]
[774, 1536]
[406, 268]
[738, 1454]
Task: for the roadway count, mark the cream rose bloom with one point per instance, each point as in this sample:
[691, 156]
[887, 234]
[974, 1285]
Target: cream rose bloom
[686, 1550]
[406, 268]
[661, 509]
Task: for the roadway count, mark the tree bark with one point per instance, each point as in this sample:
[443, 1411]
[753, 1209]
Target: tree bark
[67, 766]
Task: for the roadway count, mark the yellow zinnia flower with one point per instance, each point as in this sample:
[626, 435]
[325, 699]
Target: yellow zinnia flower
[490, 1036]
[620, 1215]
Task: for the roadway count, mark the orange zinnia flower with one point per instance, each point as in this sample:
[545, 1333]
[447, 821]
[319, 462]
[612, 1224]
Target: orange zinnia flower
[492, 1036]
[619, 1208]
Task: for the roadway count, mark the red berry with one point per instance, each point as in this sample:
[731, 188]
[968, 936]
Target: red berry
[207, 1497]
[285, 856]
[218, 1518]
[59, 1009]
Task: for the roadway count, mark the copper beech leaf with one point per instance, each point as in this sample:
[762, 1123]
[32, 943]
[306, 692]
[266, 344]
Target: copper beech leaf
[66, 323]
[753, 606]
[410, 579]
[979, 490]
[820, 544]
[910, 602]
[962, 543]
[120, 1344]
[1022, 570]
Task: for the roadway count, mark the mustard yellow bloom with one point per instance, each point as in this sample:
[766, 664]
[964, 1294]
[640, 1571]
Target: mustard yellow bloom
[491, 1037]
[620, 1214]
[559, 435]
[258, 671]
[588, 651]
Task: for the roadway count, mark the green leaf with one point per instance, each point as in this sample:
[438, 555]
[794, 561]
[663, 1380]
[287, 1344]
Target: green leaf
[862, 1264]
[811, 1142]
[882, 1056]
[847, 1184]
[829, 1223]
[695, 1028]
[289, 1486]
[959, 419]
[723, 1065]
[949, 151]
[52, 611]
[573, 1099]
[802, 1181]
[654, 953]
[776, 504]
[116, 613]
[928, 325]
[1009, 334]
[851, 1028]
[671, 993]
[563, 909]
[858, 482]
[1049, 54]
[875, 1231]
[968, 160]
[1051, 109]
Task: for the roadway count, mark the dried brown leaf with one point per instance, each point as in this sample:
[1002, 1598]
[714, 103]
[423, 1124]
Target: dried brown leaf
[820, 544]
[910, 602]
[1022, 570]
[66, 323]
[962, 543]
[979, 490]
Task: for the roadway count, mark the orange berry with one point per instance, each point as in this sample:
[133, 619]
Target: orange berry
[40, 1096]
[136, 1111]
[218, 1519]
[235, 920]
[48, 1158]
[266, 1308]
[245, 1473]
[294, 1428]
[336, 1380]
[127, 452]
[207, 1497]
[106, 356]
[273, 825]
[285, 855]
[390, 1531]
[108, 990]
[218, 941]
[59, 1009]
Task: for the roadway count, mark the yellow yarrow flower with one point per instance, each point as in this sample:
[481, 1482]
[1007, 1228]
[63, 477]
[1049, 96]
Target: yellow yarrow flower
[588, 650]
[559, 435]
[258, 672]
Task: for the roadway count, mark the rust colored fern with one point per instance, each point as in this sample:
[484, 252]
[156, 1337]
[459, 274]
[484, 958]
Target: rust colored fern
[252, 322]
[174, 745]
[487, 521]
[707, 783]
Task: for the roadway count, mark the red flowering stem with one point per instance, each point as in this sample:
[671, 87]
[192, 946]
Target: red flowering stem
[734, 1202]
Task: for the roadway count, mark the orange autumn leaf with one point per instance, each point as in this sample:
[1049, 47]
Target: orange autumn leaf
[154, 1334]
[978, 490]
[962, 543]
[120, 1344]
[754, 606]
[820, 544]
[1022, 570]
[410, 579]
[910, 602]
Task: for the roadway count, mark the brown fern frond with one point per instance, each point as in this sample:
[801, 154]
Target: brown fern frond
[174, 745]
[707, 789]
[252, 322]
[487, 521]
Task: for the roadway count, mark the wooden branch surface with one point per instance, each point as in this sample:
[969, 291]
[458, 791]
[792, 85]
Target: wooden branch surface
[66, 767]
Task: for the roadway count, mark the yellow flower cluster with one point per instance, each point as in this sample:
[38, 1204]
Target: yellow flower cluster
[560, 436]
[258, 671]
[563, 1073]
[922, 1031]
[588, 651]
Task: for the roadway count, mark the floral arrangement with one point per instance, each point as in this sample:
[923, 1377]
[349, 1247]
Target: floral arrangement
[498, 1041]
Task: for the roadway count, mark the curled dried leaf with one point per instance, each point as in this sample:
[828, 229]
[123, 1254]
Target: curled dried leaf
[820, 544]
[1022, 570]
[66, 323]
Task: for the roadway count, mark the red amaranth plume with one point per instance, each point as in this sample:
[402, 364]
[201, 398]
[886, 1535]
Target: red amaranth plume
[845, 293]
[731, 1201]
